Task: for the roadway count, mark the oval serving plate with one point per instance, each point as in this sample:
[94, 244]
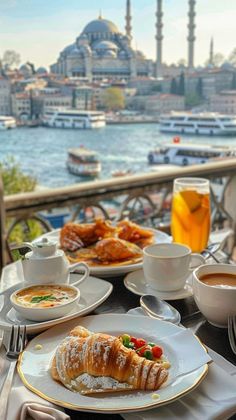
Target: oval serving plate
[109, 270]
[34, 366]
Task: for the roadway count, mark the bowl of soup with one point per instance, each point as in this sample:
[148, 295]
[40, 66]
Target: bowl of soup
[45, 302]
[214, 290]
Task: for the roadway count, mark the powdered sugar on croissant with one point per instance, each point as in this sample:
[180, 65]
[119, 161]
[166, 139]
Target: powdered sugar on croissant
[100, 362]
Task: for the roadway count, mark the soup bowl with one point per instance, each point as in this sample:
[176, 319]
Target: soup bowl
[216, 302]
[45, 302]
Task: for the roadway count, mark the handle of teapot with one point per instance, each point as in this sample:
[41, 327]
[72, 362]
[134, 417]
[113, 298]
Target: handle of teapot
[27, 244]
[75, 266]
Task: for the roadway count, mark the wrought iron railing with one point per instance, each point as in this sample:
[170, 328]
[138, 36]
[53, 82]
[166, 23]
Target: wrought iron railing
[145, 198]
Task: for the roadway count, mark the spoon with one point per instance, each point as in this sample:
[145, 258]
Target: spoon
[159, 309]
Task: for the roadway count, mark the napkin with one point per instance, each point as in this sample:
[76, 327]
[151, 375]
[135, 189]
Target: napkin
[213, 399]
[24, 405]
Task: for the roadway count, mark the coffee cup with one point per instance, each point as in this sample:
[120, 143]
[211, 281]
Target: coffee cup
[167, 266]
[214, 297]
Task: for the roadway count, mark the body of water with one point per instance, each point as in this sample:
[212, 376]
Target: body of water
[42, 152]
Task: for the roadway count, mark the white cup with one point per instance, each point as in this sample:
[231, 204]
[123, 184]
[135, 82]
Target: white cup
[215, 302]
[167, 266]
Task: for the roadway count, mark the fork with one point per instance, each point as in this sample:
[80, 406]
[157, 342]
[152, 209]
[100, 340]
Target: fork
[17, 343]
[232, 332]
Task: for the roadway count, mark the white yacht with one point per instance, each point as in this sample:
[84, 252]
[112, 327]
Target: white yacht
[73, 118]
[188, 154]
[83, 162]
[7, 122]
[212, 124]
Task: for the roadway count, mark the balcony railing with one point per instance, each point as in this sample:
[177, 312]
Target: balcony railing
[144, 198]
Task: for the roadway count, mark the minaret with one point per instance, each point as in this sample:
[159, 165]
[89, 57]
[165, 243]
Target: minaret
[211, 56]
[191, 37]
[128, 18]
[159, 38]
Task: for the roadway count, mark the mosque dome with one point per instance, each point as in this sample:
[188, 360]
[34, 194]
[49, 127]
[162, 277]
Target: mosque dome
[105, 45]
[26, 69]
[41, 70]
[100, 26]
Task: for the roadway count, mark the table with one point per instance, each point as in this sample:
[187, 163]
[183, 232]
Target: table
[121, 300]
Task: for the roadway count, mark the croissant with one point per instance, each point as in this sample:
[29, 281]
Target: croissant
[95, 362]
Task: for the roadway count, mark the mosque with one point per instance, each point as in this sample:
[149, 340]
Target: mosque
[101, 51]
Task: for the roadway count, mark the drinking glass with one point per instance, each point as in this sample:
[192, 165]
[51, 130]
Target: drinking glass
[190, 216]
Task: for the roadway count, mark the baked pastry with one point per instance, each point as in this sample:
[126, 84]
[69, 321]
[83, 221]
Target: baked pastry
[115, 249]
[94, 362]
[132, 232]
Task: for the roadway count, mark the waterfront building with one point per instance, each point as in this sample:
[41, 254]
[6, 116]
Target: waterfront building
[102, 51]
[82, 98]
[5, 96]
[21, 105]
[41, 103]
[164, 103]
[224, 102]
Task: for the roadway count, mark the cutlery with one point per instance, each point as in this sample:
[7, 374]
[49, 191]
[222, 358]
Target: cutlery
[159, 309]
[232, 332]
[17, 343]
[211, 250]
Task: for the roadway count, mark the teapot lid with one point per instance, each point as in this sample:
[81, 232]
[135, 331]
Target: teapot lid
[44, 242]
[43, 247]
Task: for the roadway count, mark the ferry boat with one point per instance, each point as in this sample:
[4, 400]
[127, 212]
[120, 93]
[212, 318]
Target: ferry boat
[188, 154]
[83, 162]
[7, 122]
[73, 118]
[213, 124]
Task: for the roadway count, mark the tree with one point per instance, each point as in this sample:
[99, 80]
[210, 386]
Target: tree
[232, 57]
[10, 58]
[192, 100]
[181, 87]
[173, 86]
[114, 99]
[14, 180]
[32, 66]
[233, 84]
[199, 88]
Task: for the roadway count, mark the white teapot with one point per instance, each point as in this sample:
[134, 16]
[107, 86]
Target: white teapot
[46, 264]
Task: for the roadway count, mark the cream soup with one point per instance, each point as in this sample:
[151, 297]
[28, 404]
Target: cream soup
[219, 279]
[47, 296]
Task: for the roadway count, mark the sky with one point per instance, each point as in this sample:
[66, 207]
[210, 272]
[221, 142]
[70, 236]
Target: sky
[39, 29]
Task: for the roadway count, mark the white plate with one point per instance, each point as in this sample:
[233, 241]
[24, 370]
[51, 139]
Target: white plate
[34, 365]
[160, 237]
[93, 291]
[136, 283]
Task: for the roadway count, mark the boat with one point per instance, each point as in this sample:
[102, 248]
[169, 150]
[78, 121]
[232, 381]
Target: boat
[83, 162]
[205, 123]
[188, 154]
[73, 118]
[7, 122]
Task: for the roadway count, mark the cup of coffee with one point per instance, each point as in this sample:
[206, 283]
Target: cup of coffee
[167, 266]
[214, 289]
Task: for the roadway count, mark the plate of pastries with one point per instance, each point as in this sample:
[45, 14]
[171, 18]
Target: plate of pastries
[112, 363]
[107, 248]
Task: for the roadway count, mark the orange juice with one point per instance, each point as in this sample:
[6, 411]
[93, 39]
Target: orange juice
[190, 219]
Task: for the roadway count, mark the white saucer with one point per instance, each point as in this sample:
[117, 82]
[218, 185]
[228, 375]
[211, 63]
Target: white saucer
[93, 291]
[136, 283]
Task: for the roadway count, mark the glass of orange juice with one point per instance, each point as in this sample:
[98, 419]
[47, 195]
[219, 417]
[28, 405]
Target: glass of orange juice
[190, 215]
